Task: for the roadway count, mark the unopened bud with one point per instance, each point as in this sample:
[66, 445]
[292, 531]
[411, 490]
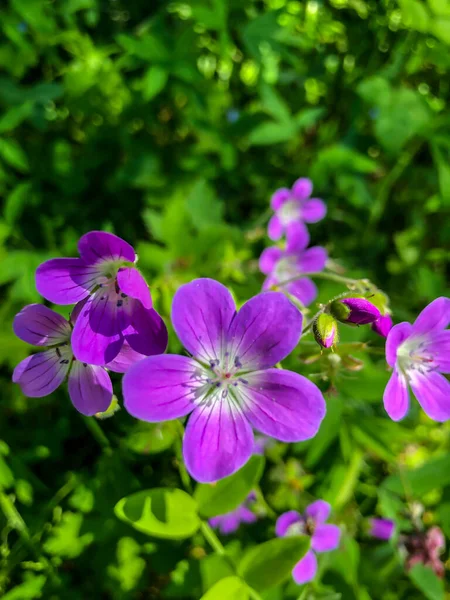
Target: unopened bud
[355, 310]
[325, 330]
[383, 529]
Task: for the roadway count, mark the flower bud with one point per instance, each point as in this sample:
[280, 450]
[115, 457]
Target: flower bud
[355, 310]
[383, 529]
[325, 330]
[383, 325]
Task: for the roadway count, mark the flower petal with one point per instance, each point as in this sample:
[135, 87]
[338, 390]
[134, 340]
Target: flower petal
[382, 529]
[383, 325]
[126, 358]
[396, 396]
[265, 330]
[313, 260]
[65, 280]
[146, 332]
[282, 404]
[435, 316]
[306, 569]
[269, 258]
[96, 336]
[297, 236]
[304, 289]
[397, 335]
[326, 538]
[132, 283]
[313, 210]
[90, 388]
[432, 390]
[100, 246]
[40, 326]
[279, 197]
[319, 511]
[437, 344]
[246, 515]
[218, 439]
[285, 520]
[40, 374]
[201, 315]
[275, 228]
[302, 188]
[161, 388]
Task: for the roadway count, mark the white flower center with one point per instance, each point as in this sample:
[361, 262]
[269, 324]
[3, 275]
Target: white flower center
[289, 211]
[286, 269]
[413, 355]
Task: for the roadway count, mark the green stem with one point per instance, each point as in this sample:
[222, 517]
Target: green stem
[97, 433]
[262, 500]
[212, 539]
[329, 277]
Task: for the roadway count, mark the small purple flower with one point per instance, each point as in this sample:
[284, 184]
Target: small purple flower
[227, 384]
[39, 375]
[354, 310]
[383, 325]
[229, 522]
[383, 529]
[419, 354]
[293, 208]
[281, 266]
[324, 536]
[118, 304]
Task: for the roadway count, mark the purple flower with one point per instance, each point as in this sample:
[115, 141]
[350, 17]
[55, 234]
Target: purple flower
[382, 529]
[383, 325]
[227, 384]
[117, 302]
[39, 375]
[354, 310]
[293, 208]
[280, 266]
[229, 522]
[419, 354]
[324, 537]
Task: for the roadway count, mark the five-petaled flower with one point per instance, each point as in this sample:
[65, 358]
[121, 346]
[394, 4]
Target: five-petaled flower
[293, 208]
[228, 384]
[419, 354]
[117, 302]
[39, 375]
[289, 266]
[229, 522]
[324, 536]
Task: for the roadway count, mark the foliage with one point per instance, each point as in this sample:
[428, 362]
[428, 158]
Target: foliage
[171, 124]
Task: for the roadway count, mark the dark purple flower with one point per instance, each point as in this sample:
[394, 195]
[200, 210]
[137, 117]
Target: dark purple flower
[324, 536]
[383, 325]
[227, 384]
[382, 529]
[419, 354]
[426, 548]
[325, 330]
[293, 208]
[355, 310]
[39, 375]
[117, 302]
[229, 522]
[281, 266]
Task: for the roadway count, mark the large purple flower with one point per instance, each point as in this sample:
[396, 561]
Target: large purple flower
[293, 208]
[280, 266]
[39, 375]
[227, 384]
[324, 537]
[229, 522]
[118, 304]
[419, 354]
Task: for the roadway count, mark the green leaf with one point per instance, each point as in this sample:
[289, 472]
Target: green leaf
[441, 29]
[227, 494]
[440, 7]
[16, 201]
[203, 205]
[230, 588]
[65, 539]
[151, 438]
[427, 581]
[14, 116]
[153, 82]
[271, 563]
[327, 433]
[12, 153]
[162, 512]
[433, 474]
[29, 590]
[269, 133]
[415, 15]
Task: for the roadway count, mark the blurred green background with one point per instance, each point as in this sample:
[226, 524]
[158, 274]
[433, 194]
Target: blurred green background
[171, 124]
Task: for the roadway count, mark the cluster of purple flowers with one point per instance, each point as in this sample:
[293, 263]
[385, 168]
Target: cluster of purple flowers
[111, 326]
[293, 208]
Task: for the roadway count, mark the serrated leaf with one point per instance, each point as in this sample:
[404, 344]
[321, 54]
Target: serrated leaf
[227, 494]
[271, 563]
[162, 512]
